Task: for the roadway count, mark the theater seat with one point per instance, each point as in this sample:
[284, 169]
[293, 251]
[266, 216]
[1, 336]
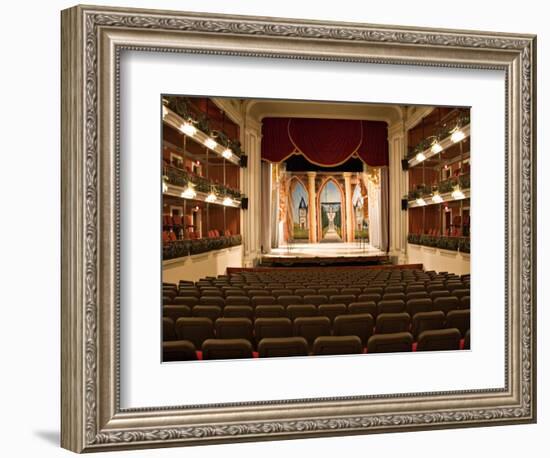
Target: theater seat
[337, 345]
[272, 327]
[415, 306]
[459, 319]
[207, 311]
[168, 329]
[270, 311]
[282, 346]
[178, 350]
[360, 325]
[288, 300]
[342, 299]
[301, 310]
[196, 330]
[238, 311]
[441, 339]
[226, 349]
[233, 328]
[390, 343]
[467, 340]
[175, 311]
[311, 327]
[315, 299]
[427, 321]
[331, 311]
[363, 307]
[185, 300]
[237, 300]
[390, 323]
[391, 306]
[446, 304]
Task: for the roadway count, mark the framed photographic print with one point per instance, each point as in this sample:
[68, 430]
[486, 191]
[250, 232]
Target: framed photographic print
[278, 228]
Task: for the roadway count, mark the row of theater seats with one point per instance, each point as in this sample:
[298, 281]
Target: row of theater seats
[393, 307]
[185, 350]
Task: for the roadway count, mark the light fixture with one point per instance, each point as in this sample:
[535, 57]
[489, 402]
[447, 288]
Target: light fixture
[420, 202]
[189, 192]
[457, 135]
[164, 111]
[164, 187]
[420, 157]
[227, 153]
[228, 201]
[436, 148]
[457, 194]
[210, 143]
[188, 129]
[211, 197]
[437, 198]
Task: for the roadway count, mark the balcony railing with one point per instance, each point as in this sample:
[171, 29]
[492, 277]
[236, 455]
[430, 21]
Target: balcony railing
[461, 244]
[182, 248]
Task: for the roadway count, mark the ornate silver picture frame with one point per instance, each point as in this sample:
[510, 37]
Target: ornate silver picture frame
[92, 40]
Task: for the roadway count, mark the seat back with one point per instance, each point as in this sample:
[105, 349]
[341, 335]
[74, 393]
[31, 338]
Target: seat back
[427, 321]
[282, 346]
[337, 345]
[441, 339]
[175, 311]
[446, 304]
[270, 311]
[289, 300]
[360, 325]
[341, 299]
[168, 329]
[238, 311]
[272, 328]
[391, 306]
[311, 327]
[331, 311]
[415, 306]
[315, 299]
[390, 343]
[196, 330]
[178, 350]
[390, 323]
[190, 301]
[459, 319]
[233, 328]
[226, 349]
[363, 307]
[207, 311]
[301, 310]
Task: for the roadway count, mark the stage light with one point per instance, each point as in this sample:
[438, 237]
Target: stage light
[457, 136]
[420, 202]
[227, 153]
[188, 129]
[437, 198]
[457, 194]
[210, 143]
[437, 148]
[189, 192]
[420, 157]
[228, 201]
[211, 197]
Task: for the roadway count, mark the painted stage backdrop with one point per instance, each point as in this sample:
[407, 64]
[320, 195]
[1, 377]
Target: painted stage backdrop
[331, 213]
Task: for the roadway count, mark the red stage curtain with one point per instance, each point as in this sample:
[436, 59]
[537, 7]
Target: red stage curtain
[326, 142]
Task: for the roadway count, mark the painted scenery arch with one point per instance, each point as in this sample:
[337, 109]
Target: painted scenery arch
[330, 206]
[299, 211]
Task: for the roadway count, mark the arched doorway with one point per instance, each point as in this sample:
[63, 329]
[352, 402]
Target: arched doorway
[330, 212]
[298, 209]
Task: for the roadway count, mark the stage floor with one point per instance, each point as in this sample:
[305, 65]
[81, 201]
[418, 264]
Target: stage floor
[325, 250]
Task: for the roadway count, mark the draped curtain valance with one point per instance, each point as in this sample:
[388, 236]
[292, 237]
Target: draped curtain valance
[325, 142]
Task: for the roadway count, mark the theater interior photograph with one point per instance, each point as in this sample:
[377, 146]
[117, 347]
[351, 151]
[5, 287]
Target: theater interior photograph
[299, 228]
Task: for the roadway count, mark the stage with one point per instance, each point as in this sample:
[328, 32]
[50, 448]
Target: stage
[324, 254]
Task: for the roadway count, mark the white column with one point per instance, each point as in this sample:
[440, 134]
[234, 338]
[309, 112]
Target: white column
[398, 188]
[312, 210]
[252, 190]
[349, 206]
